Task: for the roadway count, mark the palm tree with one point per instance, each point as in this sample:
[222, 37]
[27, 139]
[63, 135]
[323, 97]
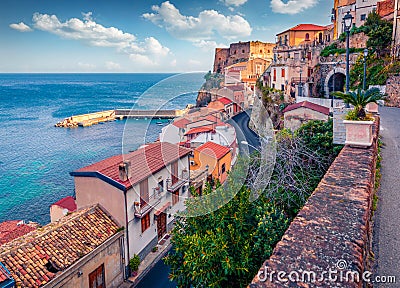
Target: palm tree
[359, 99]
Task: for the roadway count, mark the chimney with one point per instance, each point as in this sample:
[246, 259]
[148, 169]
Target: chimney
[124, 168]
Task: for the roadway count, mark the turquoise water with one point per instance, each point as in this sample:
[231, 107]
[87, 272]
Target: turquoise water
[36, 157]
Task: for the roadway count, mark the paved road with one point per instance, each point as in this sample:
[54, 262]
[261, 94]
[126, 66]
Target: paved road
[387, 218]
[157, 277]
[243, 132]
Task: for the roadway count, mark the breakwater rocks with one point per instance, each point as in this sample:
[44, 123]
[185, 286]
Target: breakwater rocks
[87, 119]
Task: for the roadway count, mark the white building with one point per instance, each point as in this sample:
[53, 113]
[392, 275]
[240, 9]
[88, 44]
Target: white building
[142, 190]
[363, 8]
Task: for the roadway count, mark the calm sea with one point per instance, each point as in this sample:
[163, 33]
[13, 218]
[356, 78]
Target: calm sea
[36, 157]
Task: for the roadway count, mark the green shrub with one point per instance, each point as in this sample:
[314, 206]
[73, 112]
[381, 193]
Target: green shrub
[134, 263]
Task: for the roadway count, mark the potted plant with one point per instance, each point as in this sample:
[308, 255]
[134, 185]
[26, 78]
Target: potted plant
[134, 263]
[358, 124]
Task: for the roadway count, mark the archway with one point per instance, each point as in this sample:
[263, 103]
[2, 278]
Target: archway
[338, 79]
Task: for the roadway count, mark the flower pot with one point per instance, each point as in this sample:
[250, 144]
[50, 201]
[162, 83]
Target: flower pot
[358, 133]
[372, 107]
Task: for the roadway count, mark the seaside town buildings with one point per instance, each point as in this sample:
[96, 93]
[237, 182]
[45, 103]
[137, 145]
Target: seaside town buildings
[241, 52]
[295, 56]
[142, 190]
[81, 250]
[214, 158]
[10, 230]
[62, 208]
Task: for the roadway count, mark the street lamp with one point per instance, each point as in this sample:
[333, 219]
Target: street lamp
[365, 69]
[347, 22]
[248, 144]
[300, 84]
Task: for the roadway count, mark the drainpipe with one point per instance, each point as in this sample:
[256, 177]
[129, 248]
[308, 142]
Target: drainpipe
[127, 232]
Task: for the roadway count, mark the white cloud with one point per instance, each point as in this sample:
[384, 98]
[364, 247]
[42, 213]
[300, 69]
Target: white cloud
[292, 6]
[142, 60]
[193, 62]
[203, 27]
[21, 27]
[233, 2]
[112, 66]
[206, 45]
[94, 34]
[86, 66]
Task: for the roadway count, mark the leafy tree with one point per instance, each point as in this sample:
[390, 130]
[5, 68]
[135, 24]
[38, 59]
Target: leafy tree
[380, 38]
[225, 248]
[318, 135]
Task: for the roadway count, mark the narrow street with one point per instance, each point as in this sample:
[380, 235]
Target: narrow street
[387, 218]
[157, 277]
[243, 133]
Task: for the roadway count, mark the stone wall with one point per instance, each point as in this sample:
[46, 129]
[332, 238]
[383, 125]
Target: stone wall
[358, 40]
[393, 91]
[332, 233]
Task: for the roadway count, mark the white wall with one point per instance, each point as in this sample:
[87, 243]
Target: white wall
[364, 7]
[138, 240]
[170, 133]
[321, 101]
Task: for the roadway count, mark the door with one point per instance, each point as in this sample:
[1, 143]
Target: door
[161, 225]
[96, 278]
[174, 172]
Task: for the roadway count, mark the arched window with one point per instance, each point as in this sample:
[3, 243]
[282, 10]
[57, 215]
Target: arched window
[307, 37]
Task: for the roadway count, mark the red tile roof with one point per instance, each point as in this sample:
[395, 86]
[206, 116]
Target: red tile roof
[67, 203]
[225, 101]
[213, 149]
[181, 123]
[305, 27]
[197, 130]
[4, 275]
[58, 244]
[143, 162]
[10, 230]
[309, 105]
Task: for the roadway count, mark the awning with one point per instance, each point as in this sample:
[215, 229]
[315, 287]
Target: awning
[162, 209]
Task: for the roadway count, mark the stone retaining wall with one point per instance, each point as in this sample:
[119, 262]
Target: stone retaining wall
[393, 91]
[332, 231]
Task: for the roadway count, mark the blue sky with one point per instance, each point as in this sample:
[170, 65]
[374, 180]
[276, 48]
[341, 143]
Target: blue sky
[139, 36]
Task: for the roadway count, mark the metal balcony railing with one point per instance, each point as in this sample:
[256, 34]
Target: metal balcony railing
[144, 207]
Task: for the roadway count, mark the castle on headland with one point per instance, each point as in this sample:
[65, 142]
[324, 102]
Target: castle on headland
[242, 52]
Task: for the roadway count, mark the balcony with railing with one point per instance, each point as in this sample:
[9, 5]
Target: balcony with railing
[145, 205]
[179, 182]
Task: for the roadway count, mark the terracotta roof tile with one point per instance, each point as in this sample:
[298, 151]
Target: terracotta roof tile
[225, 101]
[309, 105]
[4, 275]
[61, 244]
[181, 123]
[305, 27]
[10, 230]
[143, 162]
[197, 130]
[67, 203]
[213, 149]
